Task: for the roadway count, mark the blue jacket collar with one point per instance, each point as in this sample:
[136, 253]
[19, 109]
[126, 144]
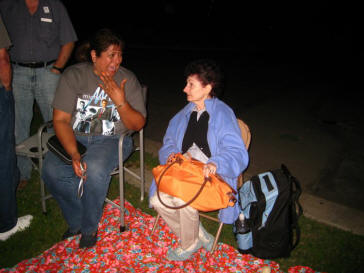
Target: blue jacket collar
[209, 104]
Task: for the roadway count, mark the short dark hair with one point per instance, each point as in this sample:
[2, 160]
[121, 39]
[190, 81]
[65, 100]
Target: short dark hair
[99, 42]
[208, 72]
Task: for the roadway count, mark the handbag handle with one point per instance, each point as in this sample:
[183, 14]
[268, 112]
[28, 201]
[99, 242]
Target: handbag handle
[179, 161]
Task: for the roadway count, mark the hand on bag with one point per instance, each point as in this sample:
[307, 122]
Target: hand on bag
[209, 168]
[171, 158]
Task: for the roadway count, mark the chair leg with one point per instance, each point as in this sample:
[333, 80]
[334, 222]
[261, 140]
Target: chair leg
[42, 196]
[40, 167]
[155, 224]
[121, 185]
[142, 174]
[217, 237]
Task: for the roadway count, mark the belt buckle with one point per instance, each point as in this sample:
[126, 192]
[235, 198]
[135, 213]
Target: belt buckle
[34, 64]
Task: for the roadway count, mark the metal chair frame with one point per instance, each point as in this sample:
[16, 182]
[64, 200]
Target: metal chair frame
[140, 176]
[34, 147]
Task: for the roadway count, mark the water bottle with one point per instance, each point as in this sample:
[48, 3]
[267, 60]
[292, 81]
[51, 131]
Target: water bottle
[240, 225]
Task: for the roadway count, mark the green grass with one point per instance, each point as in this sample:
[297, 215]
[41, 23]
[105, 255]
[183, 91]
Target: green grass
[323, 248]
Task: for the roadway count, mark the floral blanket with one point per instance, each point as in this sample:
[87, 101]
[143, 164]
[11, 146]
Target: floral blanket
[135, 250]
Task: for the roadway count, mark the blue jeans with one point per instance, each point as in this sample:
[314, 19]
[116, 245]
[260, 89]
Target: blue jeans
[31, 84]
[101, 158]
[9, 175]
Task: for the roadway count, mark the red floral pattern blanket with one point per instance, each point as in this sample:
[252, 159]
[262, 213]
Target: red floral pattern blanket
[136, 251]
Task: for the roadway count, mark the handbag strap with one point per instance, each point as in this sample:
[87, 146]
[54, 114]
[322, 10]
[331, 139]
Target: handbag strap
[179, 161]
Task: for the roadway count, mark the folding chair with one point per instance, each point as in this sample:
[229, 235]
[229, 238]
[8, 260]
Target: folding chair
[140, 176]
[246, 136]
[35, 148]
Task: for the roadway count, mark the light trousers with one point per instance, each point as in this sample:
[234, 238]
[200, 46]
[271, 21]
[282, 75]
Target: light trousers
[183, 222]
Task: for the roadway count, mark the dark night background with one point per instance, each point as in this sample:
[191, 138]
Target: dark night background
[322, 35]
[296, 55]
[286, 43]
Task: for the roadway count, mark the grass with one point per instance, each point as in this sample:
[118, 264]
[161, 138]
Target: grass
[323, 248]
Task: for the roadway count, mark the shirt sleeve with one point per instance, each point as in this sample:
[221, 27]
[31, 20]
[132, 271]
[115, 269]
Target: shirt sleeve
[67, 33]
[4, 37]
[231, 157]
[65, 97]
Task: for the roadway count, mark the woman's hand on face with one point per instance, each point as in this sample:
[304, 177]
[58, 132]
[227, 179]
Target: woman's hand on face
[209, 168]
[115, 92]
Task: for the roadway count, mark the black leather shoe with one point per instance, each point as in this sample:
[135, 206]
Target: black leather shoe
[88, 241]
[68, 234]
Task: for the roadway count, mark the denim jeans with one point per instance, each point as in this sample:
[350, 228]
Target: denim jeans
[101, 158]
[31, 84]
[8, 171]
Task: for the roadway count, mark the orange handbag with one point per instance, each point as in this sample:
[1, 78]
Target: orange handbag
[183, 178]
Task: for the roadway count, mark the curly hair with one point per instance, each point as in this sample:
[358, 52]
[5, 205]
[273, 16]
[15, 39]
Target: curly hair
[208, 72]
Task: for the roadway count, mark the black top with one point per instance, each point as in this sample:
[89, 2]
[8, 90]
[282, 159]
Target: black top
[196, 132]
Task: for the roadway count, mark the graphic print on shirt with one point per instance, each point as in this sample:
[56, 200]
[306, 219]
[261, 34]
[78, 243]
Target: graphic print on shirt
[95, 114]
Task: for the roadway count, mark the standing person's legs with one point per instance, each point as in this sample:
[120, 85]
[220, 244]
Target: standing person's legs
[46, 85]
[24, 98]
[8, 170]
[9, 175]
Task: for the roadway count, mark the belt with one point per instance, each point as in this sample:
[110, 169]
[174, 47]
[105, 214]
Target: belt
[34, 64]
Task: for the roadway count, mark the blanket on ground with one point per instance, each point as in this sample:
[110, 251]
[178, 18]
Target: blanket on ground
[136, 251]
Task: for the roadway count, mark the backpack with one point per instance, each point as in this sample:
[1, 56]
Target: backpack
[267, 226]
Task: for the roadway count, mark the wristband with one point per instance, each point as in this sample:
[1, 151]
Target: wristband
[57, 68]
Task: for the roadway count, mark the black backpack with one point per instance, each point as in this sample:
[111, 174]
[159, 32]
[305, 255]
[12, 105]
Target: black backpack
[268, 224]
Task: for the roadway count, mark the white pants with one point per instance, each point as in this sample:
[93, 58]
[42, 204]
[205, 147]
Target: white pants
[183, 222]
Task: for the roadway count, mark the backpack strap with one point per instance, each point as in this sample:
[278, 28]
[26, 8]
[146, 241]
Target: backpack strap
[257, 208]
[296, 208]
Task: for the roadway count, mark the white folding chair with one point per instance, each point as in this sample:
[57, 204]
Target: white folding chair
[245, 134]
[35, 148]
